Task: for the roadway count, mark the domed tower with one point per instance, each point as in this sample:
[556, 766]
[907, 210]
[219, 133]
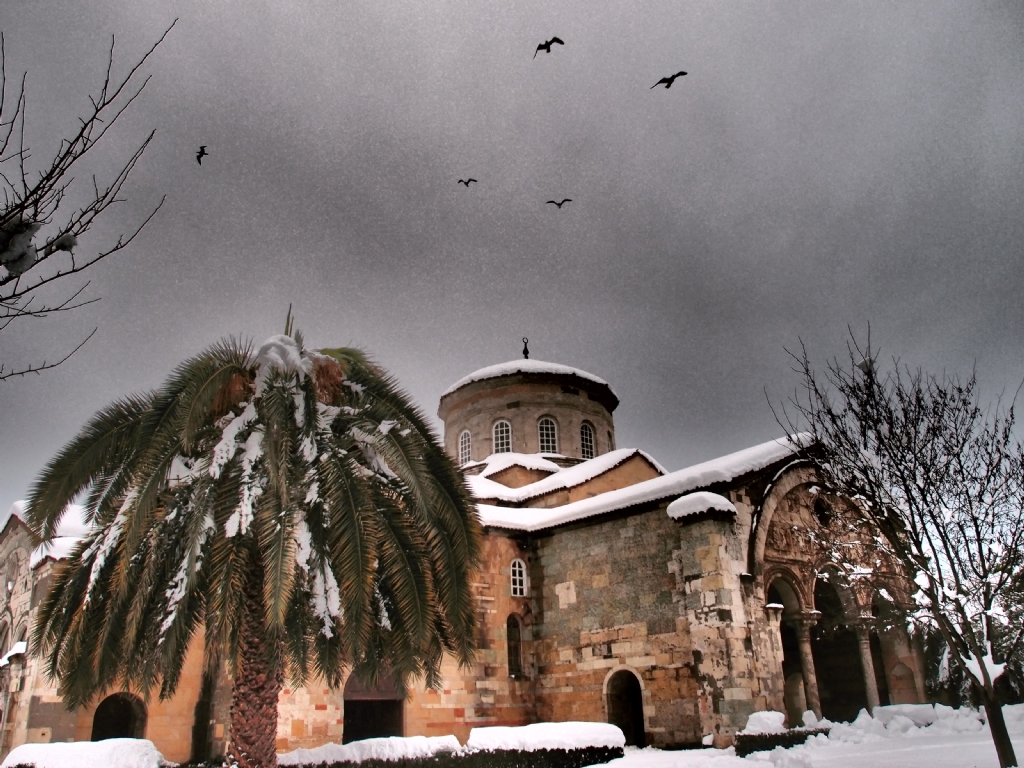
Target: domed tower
[528, 406]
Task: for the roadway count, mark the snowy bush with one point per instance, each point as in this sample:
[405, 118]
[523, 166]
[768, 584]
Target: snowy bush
[387, 750]
[111, 753]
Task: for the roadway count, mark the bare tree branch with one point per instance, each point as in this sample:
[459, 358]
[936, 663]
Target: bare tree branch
[940, 481]
[37, 239]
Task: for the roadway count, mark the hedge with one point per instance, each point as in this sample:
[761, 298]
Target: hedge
[501, 758]
[765, 742]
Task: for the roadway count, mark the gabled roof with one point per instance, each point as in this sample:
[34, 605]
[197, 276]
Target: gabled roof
[673, 485]
[498, 462]
[569, 477]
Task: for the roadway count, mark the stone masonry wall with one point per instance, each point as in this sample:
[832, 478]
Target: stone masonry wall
[609, 604]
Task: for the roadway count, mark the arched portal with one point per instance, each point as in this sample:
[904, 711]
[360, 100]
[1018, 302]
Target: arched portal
[120, 716]
[837, 660]
[372, 712]
[626, 707]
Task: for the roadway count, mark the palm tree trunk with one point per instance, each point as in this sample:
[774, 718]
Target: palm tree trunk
[256, 688]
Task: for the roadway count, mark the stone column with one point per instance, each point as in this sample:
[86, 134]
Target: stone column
[803, 633]
[867, 664]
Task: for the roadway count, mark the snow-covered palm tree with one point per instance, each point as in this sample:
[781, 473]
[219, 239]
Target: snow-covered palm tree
[290, 503]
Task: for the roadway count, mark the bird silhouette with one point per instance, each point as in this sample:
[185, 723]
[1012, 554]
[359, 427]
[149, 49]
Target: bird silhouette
[566, 200]
[546, 47]
[201, 154]
[467, 182]
[669, 80]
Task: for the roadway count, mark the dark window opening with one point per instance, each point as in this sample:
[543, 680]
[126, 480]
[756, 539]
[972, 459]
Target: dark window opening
[514, 640]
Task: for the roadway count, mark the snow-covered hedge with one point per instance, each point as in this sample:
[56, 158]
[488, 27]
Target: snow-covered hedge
[571, 735]
[541, 745]
[765, 731]
[387, 750]
[111, 753]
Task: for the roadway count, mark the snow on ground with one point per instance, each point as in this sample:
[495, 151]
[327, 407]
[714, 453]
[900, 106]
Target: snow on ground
[955, 739]
[112, 753]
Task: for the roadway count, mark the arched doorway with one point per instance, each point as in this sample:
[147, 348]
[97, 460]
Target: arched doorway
[372, 712]
[626, 707]
[120, 716]
[836, 657]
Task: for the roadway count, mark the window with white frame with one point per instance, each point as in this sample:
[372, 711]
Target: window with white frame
[502, 437]
[547, 431]
[518, 578]
[587, 440]
[465, 444]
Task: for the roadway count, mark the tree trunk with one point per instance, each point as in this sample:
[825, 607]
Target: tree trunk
[256, 687]
[997, 726]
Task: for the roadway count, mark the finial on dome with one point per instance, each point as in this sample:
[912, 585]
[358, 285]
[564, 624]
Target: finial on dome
[526, 348]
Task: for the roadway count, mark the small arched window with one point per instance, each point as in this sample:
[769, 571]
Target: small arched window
[587, 440]
[518, 578]
[465, 444]
[514, 640]
[502, 437]
[547, 431]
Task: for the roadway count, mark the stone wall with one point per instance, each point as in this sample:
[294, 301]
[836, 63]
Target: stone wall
[609, 603]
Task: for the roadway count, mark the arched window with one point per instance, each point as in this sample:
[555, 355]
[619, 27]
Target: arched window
[514, 641]
[586, 440]
[518, 578]
[547, 431]
[502, 437]
[465, 443]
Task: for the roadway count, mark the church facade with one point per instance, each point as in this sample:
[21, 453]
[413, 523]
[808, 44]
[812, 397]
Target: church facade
[672, 604]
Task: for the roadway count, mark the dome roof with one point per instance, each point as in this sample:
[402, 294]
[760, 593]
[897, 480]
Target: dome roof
[525, 366]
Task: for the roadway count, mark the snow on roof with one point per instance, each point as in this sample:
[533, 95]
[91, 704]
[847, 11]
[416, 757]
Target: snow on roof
[18, 649]
[483, 488]
[497, 462]
[695, 503]
[721, 470]
[72, 523]
[59, 549]
[122, 753]
[538, 736]
[390, 748]
[522, 366]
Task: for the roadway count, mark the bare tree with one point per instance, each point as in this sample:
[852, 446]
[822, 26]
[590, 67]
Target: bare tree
[938, 482]
[38, 237]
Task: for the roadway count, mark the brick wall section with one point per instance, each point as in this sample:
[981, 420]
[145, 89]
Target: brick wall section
[484, 694]
[610, 602]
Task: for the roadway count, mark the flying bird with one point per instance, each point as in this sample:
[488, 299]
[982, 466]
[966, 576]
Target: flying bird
[566, 200]
[669, 80]
[201, 154]
[467, 182]
[546, 47]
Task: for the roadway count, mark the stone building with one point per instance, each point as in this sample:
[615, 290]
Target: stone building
[673, 604]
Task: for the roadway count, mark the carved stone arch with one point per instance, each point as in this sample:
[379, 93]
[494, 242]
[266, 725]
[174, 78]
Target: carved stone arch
[848, 594]
[625, 700]
[799, 473]
[792, 581]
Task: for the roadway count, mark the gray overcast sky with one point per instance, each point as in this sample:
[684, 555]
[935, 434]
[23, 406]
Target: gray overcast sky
[824, 164]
